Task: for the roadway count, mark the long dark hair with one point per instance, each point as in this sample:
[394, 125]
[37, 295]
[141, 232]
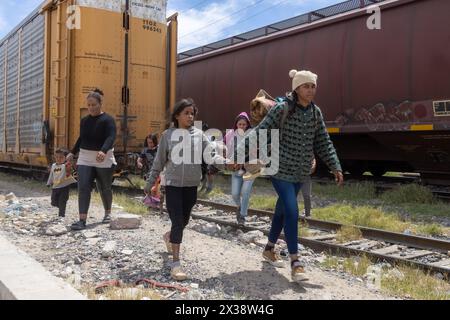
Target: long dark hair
[180, 106]
[153, 137]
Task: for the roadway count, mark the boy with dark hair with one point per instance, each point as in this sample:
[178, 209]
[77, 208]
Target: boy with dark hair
[60, 180]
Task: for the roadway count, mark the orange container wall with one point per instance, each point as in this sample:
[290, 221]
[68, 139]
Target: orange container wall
[97, 62]
[78, 60]
[147, 67]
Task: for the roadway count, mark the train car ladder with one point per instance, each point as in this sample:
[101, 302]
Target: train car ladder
[62, 78]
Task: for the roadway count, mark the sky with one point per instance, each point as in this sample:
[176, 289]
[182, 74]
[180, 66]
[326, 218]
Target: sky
[200, 21]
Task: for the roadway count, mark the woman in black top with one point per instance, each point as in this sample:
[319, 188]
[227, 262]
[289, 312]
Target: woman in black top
[96, 157]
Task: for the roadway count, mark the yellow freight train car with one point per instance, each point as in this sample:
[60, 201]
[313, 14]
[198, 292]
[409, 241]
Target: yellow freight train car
[63, 50]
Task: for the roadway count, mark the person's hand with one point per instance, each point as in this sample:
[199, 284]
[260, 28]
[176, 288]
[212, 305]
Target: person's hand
[100, 156]
[313, 166]
[339, 177]
[139, 165]
[69, 157]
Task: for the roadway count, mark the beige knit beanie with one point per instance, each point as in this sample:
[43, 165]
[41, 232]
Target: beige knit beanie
[302, 77]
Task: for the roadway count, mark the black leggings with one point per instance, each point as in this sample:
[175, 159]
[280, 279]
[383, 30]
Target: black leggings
[179, 202]
[103, 178]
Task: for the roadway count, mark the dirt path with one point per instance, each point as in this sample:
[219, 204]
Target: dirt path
[218, 268]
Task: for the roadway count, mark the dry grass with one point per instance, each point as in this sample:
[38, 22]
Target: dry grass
[412, 283]
[123, 293]
[361, 216]
[348, 233]
[417, 285]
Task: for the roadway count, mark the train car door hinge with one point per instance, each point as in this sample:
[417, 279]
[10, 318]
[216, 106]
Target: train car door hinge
[126, 21]
[125, 95]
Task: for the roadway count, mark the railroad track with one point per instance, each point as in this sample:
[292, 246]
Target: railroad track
[428, 254]
[421, 252]
[383, 184]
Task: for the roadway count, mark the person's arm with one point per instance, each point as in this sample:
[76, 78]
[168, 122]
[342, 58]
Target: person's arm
[218, 159]
[76, 148]
[159, 162]
[325, 149]
[50, 177]
[270, 121]
[111, 135]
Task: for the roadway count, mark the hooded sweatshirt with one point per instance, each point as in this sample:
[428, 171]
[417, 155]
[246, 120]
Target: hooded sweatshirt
[187, 173]
[230, 136]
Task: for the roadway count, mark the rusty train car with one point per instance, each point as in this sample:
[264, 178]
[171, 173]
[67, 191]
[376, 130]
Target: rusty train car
[63, 50]
[385, 93]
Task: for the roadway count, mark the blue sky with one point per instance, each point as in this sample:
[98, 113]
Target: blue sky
[201, 21]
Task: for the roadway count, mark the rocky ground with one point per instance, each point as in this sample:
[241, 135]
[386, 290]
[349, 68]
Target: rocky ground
[221, 263]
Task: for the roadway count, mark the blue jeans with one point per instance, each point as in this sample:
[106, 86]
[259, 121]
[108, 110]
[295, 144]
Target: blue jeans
[240, 190]
[286, 214]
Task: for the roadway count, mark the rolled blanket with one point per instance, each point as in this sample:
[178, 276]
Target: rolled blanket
[260, 106]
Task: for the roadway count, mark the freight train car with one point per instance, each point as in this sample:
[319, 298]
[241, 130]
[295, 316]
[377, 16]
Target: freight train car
[66, 48]
[385, 93]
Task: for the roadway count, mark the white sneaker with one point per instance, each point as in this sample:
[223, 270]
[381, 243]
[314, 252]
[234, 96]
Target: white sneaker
[177, 273]
[298, 273]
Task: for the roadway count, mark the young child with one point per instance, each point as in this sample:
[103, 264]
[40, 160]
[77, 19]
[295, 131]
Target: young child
[182, 177]
[146, 158]
[240, 187]
[60, 180]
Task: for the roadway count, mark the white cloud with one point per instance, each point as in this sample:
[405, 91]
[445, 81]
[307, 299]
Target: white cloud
[219, 20]
[203, 25]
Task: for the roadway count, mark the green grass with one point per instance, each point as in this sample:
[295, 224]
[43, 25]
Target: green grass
[421, 211]
[388, 219]
[417, 285]
[128, 204]
[413, 283]
[31, 184]
[432, 229]
[410, 193]
[215, 193]
[392, 174]
[356, 266]
[263, 202]
[361, 216]
[351, 192]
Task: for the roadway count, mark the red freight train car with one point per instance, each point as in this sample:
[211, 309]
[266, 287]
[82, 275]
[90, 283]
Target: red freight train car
[385, 93]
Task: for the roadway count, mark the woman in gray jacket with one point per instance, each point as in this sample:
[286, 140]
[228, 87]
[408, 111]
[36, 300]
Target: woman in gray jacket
[180, 152]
